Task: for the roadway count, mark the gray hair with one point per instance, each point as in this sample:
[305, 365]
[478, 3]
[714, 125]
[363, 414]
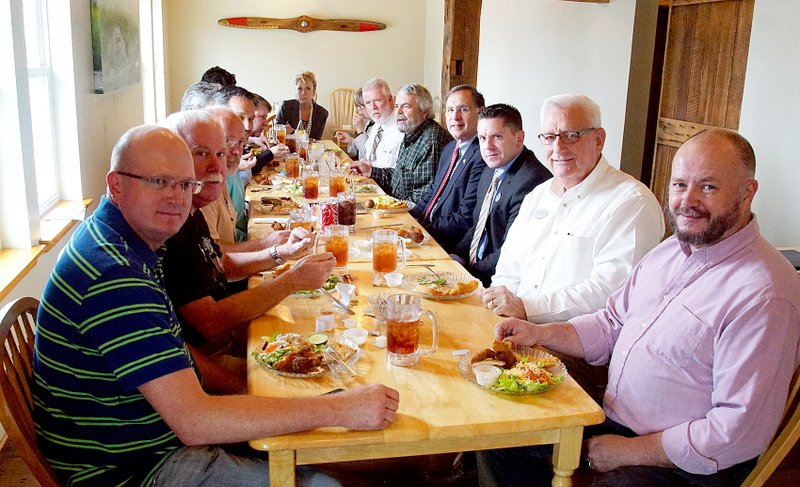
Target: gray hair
[424, 99]
[181, 122]
[589, 107]
[199, 95]
[380, 84]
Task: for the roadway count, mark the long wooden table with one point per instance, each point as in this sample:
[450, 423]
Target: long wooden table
[439, 410]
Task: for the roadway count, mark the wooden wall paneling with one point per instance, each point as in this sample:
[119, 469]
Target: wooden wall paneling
[703, 80]
[462, 21]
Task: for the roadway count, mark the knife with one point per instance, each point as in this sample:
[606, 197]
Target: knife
[338, 303]
[303, 24]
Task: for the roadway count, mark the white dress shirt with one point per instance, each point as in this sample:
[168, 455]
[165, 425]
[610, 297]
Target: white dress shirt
[565, 254]
[389, 146]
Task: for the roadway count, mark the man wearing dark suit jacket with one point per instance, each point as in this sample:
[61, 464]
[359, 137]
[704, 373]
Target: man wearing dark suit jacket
[445, 210]
[512, 172]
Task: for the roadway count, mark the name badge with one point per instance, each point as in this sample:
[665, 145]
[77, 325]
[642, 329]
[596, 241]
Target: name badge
[539, 214]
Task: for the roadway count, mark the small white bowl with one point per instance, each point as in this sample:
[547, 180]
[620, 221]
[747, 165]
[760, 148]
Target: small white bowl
[394, 279]
[358, 335]
[378, 214]
[364, 244]
[486, 375]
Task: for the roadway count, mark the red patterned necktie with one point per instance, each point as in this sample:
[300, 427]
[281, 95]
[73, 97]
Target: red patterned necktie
[442, 184]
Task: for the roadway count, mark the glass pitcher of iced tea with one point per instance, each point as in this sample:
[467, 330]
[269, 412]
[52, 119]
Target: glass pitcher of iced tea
[403, 313]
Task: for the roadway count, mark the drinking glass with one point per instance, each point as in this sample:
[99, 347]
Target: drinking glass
[311, 185]
[385, 243]
[336, 183]
[292, 164]
[291, 143]
[303, 218]
[403, 313]
[347, 206]
[280, 133]
[335, 238]
[317, 150]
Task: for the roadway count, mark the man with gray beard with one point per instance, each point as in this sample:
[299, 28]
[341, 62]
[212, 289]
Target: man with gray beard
[198, 273]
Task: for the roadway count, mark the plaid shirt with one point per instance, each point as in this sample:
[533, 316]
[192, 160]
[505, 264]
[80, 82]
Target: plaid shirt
[416, 163]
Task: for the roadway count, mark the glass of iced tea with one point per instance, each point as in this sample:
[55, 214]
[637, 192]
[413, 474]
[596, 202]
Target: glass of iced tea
[335, 239]
[347, 209]
[302, 148]
[336, 183]
[403, 320]
[280, 133]
[292, 164]
[302, 218]
[291, 143]
[311, 185]
[385, 243]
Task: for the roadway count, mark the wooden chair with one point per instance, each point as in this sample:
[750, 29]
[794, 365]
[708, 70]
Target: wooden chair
[785, 438]
[341, 107]
[16, 371]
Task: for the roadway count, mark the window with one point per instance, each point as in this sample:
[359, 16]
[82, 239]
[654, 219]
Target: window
[40, 86]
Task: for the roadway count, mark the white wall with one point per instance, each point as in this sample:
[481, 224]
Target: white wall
[542, 47]
[434, 43]
[102, 119]
[265, 61]
[769, 118]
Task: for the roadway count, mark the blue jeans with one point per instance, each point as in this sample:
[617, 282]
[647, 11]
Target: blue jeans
[211, 466]
[530, 466]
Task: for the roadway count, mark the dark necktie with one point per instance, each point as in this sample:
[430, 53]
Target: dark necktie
[439, 190]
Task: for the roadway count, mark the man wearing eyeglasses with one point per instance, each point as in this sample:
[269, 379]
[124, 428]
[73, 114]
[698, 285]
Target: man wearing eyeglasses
[117, 399]
[445, 210]
[512, 172]
[198, 273]
[578, 236]
[226, 223]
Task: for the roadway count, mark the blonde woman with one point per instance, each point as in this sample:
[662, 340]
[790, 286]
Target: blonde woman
[303, 111]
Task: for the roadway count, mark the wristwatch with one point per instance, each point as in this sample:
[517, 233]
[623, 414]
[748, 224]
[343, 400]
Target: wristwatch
[274, 253]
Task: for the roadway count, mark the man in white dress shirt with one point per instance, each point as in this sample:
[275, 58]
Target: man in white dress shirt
[578, 235]
[383, 137]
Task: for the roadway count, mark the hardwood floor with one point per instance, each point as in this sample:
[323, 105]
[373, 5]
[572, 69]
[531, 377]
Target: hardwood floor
[430, 471]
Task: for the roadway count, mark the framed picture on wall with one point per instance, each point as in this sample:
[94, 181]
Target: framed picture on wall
[115, 44]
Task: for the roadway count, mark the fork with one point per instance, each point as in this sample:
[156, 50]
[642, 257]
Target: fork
[330, 360]
[427, 266]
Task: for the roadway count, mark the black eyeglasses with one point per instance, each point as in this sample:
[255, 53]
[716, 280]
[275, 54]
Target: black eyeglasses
[566, 137]
[162, 183]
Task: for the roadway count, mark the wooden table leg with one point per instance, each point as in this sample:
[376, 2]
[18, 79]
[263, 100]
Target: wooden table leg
[567, 456]
[281, 468]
